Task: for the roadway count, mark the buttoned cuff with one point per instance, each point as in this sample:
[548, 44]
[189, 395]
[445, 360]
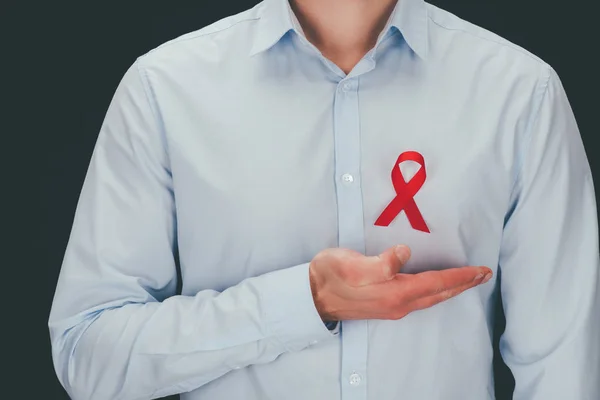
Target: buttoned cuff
[289, 309]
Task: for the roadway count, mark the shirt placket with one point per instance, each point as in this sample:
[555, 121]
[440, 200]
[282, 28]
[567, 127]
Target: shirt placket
[350, 228]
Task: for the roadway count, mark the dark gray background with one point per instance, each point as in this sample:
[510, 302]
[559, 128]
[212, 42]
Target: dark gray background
[87, 48]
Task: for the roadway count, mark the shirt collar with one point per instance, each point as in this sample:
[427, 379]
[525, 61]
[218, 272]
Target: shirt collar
[410, 18]
[277, 18]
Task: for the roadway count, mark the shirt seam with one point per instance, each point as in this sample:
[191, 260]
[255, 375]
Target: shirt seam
[529, 134]
[507, 44]
[152, 104]
[203, 32]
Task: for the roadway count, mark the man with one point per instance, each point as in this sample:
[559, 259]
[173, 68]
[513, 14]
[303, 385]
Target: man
[291, 155]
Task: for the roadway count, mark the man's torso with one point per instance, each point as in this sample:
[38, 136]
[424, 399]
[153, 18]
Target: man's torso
[274, 159]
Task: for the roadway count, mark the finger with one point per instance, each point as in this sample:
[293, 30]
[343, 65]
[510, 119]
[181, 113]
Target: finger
[430, 283]
[388, 264]
[430, 301]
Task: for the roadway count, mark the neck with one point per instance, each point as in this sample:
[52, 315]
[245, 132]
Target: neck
[343, 30]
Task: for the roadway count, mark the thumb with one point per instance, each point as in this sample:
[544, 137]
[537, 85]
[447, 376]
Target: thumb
[393, 259]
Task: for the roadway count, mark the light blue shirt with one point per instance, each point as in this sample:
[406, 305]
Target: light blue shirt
[242, 152]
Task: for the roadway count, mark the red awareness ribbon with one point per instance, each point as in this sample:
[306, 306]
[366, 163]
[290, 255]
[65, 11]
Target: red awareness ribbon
[405, 192]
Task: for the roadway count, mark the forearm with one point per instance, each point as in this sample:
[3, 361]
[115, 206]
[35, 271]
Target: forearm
[569, 371]
[155, 349]
[554, 351]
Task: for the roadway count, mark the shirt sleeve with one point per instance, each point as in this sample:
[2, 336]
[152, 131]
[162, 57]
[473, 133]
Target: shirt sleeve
[118, 330]
[549, 261]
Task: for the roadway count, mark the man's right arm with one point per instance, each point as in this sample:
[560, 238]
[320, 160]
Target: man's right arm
[117, 330]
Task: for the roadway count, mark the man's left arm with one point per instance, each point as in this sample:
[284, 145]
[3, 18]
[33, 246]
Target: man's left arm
[549, 264]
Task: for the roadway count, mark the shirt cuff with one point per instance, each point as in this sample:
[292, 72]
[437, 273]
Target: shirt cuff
[289, 309]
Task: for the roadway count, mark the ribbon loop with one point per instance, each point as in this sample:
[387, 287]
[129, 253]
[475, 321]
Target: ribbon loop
[405, 192]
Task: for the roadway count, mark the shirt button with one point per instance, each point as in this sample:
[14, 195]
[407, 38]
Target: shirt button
[347, 87]
[355, 379]
[347, 178]
[236, 367]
